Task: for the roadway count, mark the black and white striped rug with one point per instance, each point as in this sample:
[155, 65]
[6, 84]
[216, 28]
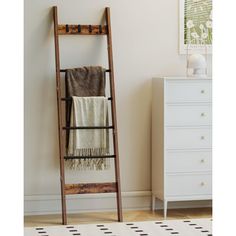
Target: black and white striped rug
[191, 227]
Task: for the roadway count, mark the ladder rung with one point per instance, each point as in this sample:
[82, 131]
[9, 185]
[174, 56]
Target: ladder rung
[82, 29]
[64, 70]
[69, 99]
[88, 157]
[90, 188]
[88, 127]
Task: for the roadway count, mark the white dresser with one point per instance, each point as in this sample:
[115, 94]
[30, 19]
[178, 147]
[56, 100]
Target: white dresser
[181, 139]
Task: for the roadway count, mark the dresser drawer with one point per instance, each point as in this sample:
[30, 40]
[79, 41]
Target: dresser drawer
[187, 138]
[188, 115]
[188, 161]
[188, 91]
[182, 185]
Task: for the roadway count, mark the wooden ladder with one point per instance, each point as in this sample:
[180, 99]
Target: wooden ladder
[86, 188]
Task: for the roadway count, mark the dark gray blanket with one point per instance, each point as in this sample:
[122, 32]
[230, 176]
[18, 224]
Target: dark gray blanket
[85, 81]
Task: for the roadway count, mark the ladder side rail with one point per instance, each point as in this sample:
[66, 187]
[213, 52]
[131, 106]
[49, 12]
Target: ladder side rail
[59, 112]
[114, 121]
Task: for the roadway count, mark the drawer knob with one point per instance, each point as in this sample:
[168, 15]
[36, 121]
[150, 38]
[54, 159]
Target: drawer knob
[202, 91]
[202, 137]
[203, 160]
[202, 183]
[202, 114]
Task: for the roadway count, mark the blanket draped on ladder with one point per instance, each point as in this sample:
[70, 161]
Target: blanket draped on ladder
[89, 111]
[89, 107]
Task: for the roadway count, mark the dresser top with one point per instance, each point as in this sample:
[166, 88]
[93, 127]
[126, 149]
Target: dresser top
[182, 78]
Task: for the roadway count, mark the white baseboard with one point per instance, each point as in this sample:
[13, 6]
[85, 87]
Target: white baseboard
[137, 200]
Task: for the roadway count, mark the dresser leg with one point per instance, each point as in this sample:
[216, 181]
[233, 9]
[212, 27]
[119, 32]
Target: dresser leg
[153, 202]
[165, 208]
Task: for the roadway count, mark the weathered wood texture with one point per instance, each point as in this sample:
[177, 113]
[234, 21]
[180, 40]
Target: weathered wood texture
[59, 115]
[85, 29]
[113, 108]
[90, 188]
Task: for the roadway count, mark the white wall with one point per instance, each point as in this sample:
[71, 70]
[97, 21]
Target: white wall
[145, 44]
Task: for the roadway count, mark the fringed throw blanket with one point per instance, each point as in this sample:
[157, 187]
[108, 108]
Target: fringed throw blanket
[89, 111]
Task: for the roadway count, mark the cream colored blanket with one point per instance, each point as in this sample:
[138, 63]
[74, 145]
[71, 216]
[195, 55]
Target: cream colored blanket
[89, 111]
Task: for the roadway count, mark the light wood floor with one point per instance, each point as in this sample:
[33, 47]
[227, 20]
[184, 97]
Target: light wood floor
[108, 217]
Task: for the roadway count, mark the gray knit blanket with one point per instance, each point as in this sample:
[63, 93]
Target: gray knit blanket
[85, 81]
